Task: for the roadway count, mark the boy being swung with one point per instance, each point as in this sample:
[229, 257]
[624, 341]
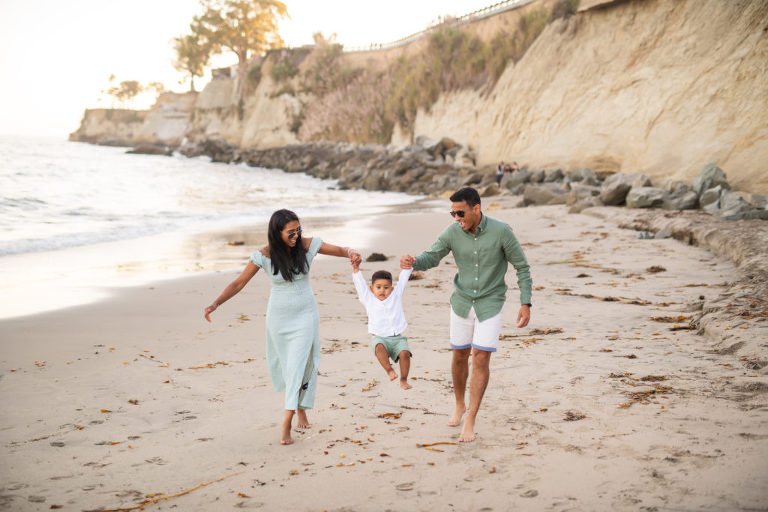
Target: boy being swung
[386, 319]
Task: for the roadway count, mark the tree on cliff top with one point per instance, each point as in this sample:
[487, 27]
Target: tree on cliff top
[192, 55]
[125, 92]
[245, 27]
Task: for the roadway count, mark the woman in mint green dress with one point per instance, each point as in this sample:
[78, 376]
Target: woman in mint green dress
[293, 338]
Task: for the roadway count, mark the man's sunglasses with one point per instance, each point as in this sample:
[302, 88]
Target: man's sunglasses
[458, 213]
[292, 234]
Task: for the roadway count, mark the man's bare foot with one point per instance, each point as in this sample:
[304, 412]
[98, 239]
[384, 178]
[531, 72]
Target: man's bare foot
[301, 419]
[468, 431]
[455, 419]
[404, 384]
[392, 374]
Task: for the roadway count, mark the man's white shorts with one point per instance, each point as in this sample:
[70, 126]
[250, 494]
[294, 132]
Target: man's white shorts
[471, 332]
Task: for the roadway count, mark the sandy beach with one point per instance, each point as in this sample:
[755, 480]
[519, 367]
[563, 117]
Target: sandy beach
[606, 401]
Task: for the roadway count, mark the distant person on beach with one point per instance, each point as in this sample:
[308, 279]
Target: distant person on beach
[386, 319]
[513, 168]
[500, 172]
[481, 247]
[293, 337]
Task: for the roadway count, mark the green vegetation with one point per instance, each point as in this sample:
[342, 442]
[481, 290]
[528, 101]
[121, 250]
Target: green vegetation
[245, 27]
[325, 71]
[192, 56]
[283, 69]
[364, 106]
[254, 75]
[125, 91]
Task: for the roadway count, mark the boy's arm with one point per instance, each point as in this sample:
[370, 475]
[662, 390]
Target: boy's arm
[402, 280]
[360, 286]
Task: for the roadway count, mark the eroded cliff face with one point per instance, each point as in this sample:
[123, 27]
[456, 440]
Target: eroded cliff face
[266, 119]
[168, 120]
[654, 86]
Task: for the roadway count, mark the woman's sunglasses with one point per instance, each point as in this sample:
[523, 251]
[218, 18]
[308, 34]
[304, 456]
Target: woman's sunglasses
[458, 213]
[292, 234]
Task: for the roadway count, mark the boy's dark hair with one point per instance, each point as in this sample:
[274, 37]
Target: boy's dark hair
[468, 195]
[381, 274]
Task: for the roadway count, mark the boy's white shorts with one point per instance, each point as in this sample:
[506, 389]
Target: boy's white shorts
[471, 332]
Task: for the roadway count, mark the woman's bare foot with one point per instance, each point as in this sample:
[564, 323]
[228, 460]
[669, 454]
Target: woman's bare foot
[285, 435]
[392, 374]
[301, 419]
[404, 384]
[455, 419]
[468, 431]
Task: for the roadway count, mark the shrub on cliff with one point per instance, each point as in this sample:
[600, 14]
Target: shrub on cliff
[354, 112]
[363, 106]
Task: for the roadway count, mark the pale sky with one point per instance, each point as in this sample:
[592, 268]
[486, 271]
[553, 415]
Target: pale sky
[56, 56]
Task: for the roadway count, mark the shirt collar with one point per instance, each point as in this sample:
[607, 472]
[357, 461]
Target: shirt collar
[483, 222]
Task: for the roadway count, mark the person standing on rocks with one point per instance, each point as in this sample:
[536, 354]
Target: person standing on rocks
[500, 172]
[482, 247]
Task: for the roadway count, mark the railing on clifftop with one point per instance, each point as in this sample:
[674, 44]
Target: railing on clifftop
[506, 5]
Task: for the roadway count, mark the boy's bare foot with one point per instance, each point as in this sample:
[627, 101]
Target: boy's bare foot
[468, 431]
[301, 419]
[404, 384]
[455, 419]
[392, 374]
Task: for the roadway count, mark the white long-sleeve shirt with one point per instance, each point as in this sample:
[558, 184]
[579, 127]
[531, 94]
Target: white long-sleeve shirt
[385, 317]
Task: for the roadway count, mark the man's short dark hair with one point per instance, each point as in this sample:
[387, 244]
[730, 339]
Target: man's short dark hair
[381, 274]
[468, 195]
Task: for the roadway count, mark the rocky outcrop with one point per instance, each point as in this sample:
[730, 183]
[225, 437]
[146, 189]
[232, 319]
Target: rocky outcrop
[164, 125]
[412, 169]
[110, 127]
[167, 122]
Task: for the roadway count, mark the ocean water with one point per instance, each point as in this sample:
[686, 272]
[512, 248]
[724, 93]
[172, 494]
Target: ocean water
[79, 221]
[56, 194]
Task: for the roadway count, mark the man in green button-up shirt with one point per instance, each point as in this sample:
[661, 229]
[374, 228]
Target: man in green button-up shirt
[482, 248]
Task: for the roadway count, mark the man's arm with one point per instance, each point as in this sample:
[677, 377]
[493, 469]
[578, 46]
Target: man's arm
[514, 254]
[432, 256]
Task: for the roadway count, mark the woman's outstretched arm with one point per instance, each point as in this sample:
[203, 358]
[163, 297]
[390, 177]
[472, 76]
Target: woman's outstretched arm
[342, 252]
[232, 288]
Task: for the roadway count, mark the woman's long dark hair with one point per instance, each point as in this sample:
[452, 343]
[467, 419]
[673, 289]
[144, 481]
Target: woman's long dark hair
[286, 260]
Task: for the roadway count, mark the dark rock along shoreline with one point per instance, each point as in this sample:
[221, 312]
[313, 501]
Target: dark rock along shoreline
[433, 167]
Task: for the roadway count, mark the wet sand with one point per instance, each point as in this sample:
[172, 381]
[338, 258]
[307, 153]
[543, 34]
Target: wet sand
[605, 401]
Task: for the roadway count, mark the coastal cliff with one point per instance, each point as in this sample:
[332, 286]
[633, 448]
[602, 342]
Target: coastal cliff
[658, 87]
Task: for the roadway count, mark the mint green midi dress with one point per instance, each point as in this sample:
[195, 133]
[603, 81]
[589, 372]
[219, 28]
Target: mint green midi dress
[293, 333]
